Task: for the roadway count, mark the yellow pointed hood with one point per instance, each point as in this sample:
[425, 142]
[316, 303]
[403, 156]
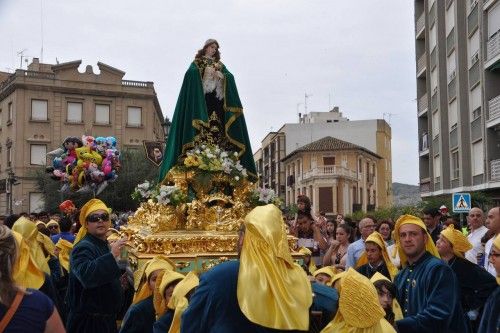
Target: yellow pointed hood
[26, 273]
[34, 239]
[377, 238]
[283, 286]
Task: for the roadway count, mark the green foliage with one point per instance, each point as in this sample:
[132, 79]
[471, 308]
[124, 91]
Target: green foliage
[136, 168]
[385, 213]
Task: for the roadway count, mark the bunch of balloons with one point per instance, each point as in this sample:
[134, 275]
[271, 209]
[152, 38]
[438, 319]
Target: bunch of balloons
[86, 164]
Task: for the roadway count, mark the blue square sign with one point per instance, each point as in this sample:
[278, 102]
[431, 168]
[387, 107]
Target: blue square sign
[461, 202]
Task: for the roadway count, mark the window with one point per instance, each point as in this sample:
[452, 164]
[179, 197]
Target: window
[477, 158]
[473, 48]
[493, 20]
[432, 37]
[36, 202]
[9, 157]
[452, 66]
[38, 154]
[476, 113]
[452, 114]
[437, 169]
[38, 109]
[455, 165]
[102, 114]
[435, 124]
[329, 160]
[434, 80]
[360, 166]
[10, 113]
[450, 18]
[74, 112]
[134, 116]
[475, 100]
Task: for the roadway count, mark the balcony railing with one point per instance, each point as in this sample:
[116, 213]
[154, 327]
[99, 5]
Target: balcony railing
[420, 24]
[493, 45]
[138, 84]
[423, 103]
[331, 170]
[421, 63]
[425, 187]
[494, 108]
[495, 170]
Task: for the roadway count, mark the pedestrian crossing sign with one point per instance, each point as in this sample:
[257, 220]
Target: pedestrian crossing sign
[461, 202]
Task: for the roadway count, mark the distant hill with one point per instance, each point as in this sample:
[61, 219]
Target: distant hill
[404, 194]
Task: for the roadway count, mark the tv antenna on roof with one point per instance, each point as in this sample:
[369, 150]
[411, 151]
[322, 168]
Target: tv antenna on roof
[306, 96]
[389, 116]
[21, 54]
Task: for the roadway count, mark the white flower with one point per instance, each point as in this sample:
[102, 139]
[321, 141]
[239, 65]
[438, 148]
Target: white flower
[197, 151]
[244, 172]
[235, 154]
[210, 155]
[237, 178]
[223, 154]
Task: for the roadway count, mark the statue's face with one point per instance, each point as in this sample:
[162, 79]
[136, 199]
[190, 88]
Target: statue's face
[211, 49]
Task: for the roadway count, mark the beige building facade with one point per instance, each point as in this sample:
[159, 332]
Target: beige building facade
[372, 135]
[338, 176]
[41, 106]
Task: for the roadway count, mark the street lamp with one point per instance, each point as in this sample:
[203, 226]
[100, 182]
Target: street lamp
[11, 180]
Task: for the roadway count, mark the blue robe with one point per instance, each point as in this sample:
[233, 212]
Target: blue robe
[214, 307]
[491, 314]
[162, 325]
[140, 317]
[94, 290]
[428, 293]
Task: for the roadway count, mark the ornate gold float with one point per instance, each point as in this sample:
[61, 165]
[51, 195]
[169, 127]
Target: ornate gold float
[198, 234]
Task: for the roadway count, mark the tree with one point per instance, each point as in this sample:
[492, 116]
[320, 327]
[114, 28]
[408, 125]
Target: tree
[135, 169]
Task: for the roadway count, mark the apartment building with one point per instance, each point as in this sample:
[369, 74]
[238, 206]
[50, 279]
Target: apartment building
[457, 45]
[41, 106]
[372, 135]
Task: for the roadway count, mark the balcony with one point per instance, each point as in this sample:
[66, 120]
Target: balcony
[421, 65]
[493, 50]
[425, 187]
[493, 112]
[495, 170]
[422, 105]
[330, 171]
[420, 27]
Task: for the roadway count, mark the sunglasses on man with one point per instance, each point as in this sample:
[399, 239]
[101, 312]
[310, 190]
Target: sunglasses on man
[93, 218]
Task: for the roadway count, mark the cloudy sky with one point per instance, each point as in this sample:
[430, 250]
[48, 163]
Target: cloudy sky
[358, 55]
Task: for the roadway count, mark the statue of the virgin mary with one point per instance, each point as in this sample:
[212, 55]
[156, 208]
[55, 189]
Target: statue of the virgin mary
[208, 110]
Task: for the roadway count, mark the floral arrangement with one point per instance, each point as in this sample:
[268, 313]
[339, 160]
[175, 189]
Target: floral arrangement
[211, 158]
[161, 194]
[264, 196]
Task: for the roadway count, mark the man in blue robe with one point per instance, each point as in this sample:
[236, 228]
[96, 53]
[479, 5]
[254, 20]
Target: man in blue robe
[265, 291]
[428, 290]
[94, 289]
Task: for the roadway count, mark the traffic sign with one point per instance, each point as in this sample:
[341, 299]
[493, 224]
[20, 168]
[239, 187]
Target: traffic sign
[461, 202]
